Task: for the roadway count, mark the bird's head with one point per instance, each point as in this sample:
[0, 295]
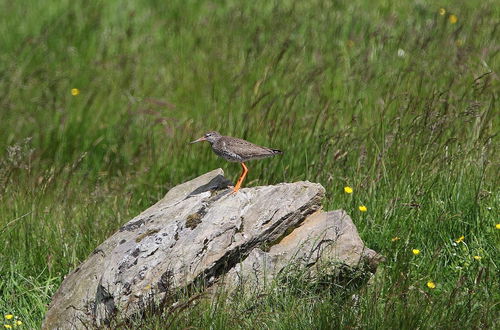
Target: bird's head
[210, 137]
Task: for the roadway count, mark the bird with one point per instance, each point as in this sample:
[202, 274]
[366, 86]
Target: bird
[236, 150]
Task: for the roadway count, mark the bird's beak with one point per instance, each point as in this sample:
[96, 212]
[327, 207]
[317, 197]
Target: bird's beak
[199, 140]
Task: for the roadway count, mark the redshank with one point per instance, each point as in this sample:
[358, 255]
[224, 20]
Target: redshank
[237, 150]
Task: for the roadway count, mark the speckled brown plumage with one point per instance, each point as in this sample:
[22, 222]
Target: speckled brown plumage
[237, 150]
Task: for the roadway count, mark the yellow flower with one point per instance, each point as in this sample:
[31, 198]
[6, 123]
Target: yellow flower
[460, 239]
[497, 226]
[7, 326]
[75, 91]
[431, 285]
[350, 43]
[459, 43]
[362, 208]
[348, 190]
[415, 251]
[394, 239]
[442, 11]
[9, 316]
[477, 257]
[453, 19]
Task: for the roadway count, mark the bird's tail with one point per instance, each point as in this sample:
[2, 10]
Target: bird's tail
[276, 151]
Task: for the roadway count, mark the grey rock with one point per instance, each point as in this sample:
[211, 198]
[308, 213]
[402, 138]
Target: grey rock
[321, 238]
[197, 232]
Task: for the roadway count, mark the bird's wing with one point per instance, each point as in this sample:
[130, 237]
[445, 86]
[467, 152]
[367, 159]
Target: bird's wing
[247, 150]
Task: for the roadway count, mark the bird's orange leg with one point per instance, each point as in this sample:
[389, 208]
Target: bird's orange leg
[242, 177]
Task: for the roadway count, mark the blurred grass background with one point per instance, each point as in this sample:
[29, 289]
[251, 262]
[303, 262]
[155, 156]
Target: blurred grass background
[398, 100]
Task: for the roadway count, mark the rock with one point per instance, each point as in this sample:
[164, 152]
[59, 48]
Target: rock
[196, 233]
[322, 237]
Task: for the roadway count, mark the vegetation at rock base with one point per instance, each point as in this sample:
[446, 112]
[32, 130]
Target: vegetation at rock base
[396, 100]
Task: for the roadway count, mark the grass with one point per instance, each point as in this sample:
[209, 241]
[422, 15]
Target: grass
[389, 98]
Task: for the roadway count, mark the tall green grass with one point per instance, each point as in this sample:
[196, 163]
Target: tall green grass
[389, 98]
